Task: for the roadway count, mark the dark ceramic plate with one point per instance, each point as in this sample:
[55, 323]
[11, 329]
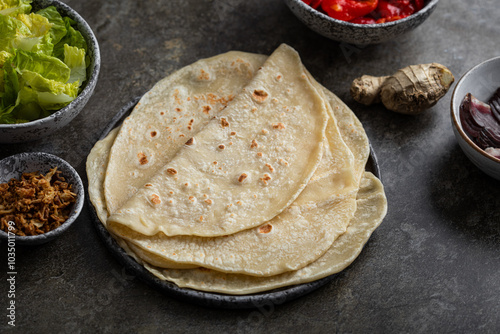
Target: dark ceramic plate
[208, 299]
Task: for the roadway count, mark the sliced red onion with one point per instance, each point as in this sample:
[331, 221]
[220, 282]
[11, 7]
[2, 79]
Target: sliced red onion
[481, 121]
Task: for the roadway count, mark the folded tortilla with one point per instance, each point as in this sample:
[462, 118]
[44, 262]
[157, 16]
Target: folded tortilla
[298, 244]
[172, 112]
[291, 240]
[244, 167]
[371, 209]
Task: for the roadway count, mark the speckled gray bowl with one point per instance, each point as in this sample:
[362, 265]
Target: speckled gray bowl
[359, 34]
[15, 133]
[14, 166]
[481, 81]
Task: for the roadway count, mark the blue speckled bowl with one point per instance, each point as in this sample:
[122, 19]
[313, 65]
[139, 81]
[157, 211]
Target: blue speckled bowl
[15, 133]
[14, 166]
[359, 34]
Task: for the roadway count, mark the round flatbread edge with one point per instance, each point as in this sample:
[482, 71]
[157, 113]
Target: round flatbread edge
[206, 299]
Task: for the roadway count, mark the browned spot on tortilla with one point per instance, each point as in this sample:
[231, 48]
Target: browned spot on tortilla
[182, 135]
[162, 113]
[215, 162]
[171, 171]
[242, 177]
[148, 185]
[222, 146]
[191, 198]
[260, 95]
[176, 97]
[264, 131]
[254, 144]
[224, 123]
[271, 169]
[155, 199]
[201, 218]
[206, 109]
[283, 162]
[204, 75]
[264, 229]
[239, 203]
[266, 178]
[143, 159]
[153, 134]
[259, 154]
[178, 110]
[190, 141]
[190, 124]
[208, 201]
[279, 77]
[213, 99]
[279, 126]
[233, 133]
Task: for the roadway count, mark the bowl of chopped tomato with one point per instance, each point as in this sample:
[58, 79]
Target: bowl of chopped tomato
[41, 196]
[362, 22]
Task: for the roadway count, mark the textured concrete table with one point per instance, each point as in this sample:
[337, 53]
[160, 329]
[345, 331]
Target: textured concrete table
[432, 266]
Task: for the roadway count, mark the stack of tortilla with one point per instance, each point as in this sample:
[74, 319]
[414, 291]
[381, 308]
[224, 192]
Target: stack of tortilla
[238, 174]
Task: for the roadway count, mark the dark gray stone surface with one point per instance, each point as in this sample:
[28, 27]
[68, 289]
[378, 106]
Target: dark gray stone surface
[432, 266]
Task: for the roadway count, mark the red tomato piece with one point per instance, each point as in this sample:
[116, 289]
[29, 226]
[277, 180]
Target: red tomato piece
[363, 20]
[347, 10]
[313, 3]
[391, 18]
[393, 8]
[419, 4]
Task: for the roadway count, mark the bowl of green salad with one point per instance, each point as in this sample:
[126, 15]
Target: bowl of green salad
[49, 65]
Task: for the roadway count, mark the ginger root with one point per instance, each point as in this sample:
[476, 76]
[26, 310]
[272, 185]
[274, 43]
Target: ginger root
[410, 90]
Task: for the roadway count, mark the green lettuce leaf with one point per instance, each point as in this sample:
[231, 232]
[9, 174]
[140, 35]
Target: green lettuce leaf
[41, 84]
[10, 30]
[72, 38]
[46, 66]
[58, 30]
[14, 7]
[4, 56]
[11, 87]
[26, 32]
[42, 61]
[74, 58]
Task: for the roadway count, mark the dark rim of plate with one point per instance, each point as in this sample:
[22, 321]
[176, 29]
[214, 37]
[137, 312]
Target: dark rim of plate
[206, 299]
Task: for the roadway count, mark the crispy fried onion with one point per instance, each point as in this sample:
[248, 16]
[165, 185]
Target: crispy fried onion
[36, 204]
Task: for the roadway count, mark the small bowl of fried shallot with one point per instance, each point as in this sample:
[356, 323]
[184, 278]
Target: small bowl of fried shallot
[362, 22]
[475, 115]
[41, 195]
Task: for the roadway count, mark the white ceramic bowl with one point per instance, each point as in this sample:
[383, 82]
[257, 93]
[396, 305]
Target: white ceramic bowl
[359, 34]
[23, 132]
[481, 81]
[14, 166]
